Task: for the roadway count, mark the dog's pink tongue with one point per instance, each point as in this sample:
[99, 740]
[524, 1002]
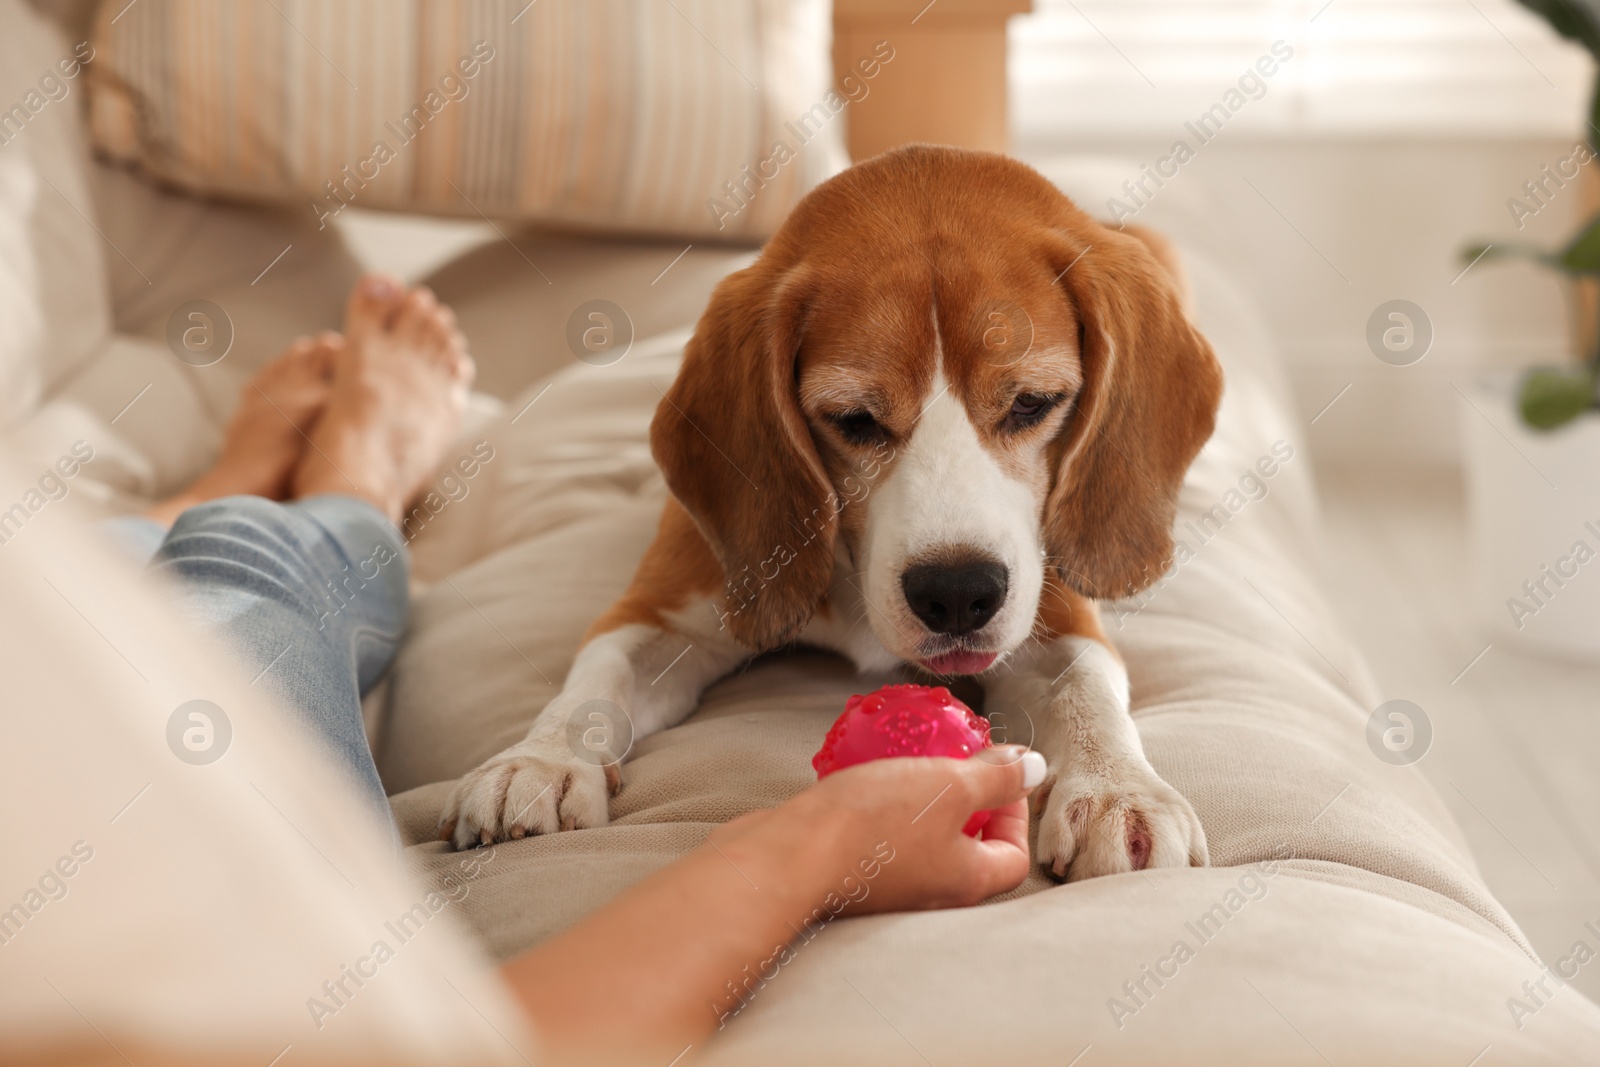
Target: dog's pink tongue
[960, 662]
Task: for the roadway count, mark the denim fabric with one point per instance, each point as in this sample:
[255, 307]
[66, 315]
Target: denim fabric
[312, 595]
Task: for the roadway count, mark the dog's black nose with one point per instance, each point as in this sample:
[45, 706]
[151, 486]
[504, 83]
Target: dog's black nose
[957, 599]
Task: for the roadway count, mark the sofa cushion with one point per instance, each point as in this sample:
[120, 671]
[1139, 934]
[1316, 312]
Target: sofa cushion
[525, 325]
[657, 117]
[52, 258]
[21, 320]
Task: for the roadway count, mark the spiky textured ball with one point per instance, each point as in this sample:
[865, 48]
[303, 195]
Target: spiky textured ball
[904, 720]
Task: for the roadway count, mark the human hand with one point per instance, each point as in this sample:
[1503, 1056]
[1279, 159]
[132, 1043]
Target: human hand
[893, 828]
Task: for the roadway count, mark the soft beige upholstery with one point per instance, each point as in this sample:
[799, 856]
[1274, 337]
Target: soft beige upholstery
[51, 323]
[515, 298]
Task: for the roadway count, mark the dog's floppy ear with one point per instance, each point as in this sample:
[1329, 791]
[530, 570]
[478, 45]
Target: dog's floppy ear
[1149, 399]
[737, 453]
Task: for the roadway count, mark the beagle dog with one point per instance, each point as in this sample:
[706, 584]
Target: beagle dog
[942, 415]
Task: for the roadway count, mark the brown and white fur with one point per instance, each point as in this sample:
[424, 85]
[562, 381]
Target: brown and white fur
[941, 383]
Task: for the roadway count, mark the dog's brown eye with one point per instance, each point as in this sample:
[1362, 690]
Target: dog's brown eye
[858, 427]
[1029, 409]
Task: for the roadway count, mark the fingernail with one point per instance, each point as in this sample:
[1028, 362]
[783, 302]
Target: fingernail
[1032, 769]
[378, 287]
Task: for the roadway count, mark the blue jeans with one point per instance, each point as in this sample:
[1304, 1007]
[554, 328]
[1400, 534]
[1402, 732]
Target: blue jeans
[312, 596]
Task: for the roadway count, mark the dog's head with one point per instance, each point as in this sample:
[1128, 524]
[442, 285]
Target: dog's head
[946, 373]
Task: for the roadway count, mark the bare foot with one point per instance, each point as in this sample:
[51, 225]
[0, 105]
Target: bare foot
[267, 434]
[399, 388]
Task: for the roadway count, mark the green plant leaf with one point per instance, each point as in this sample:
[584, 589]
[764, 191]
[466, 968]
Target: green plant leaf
[1582, 254]
[1508, 250]
[1576, 20]
[1553, 396]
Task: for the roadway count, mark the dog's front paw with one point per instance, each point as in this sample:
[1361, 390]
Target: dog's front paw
[525, 790]
[1126, 819]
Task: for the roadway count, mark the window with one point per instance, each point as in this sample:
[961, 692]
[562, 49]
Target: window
[1135, 69]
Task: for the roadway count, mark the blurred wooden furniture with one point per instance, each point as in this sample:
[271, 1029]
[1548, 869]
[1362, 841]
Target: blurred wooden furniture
[947, 81]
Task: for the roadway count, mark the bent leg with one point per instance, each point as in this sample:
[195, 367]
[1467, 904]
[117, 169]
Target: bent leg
[312, 595]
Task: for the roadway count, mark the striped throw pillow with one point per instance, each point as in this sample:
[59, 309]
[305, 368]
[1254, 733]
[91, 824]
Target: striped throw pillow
[688, 117]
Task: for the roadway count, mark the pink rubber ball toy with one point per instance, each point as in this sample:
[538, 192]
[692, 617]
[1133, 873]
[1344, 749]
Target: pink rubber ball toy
[904, 720]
